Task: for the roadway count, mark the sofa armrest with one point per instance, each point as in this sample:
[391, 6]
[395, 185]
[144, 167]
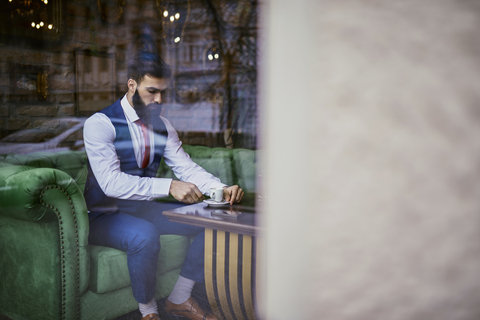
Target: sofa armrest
[43, 241]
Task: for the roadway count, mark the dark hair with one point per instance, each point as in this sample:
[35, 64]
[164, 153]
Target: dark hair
[148, 64]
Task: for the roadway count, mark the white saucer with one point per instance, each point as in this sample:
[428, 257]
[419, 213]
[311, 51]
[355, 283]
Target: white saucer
[214, 203]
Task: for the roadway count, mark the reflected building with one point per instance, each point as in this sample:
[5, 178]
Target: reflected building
[72, 62]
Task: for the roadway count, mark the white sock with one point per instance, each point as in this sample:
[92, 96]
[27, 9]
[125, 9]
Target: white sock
[148, 308]
[182, 290]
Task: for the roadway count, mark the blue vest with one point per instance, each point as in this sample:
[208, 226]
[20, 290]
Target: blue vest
[94, 195]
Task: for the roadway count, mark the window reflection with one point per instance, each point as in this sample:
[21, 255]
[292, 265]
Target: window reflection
[210, 45]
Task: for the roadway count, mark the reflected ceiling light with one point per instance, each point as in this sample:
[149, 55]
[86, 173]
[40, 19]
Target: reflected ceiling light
[50, 26]
[172, 18]
[216, 55]
[177, 39]
[165, 13]
[210, 57]
[177, 15]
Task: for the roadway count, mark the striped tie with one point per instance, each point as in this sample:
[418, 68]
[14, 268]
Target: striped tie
[146, 158]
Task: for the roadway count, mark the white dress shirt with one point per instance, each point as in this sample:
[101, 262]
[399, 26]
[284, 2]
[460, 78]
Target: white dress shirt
[99, 136]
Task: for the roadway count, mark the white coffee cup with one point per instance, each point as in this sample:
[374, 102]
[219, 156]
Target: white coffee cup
[216, 194]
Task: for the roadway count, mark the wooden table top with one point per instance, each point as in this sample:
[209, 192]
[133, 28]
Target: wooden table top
[237, 218]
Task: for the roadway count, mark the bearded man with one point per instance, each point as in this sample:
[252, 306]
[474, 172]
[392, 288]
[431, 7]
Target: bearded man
[125, 143]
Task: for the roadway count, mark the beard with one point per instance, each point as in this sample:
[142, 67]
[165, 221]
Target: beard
[150, 113]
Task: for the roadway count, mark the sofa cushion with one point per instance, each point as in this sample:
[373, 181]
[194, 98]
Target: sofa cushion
[109, 270]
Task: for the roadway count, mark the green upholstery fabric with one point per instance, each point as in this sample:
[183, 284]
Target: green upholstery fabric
[109, 269]
[45, 258]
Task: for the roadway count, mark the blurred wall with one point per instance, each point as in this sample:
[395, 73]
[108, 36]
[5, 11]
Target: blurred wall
[371, 173]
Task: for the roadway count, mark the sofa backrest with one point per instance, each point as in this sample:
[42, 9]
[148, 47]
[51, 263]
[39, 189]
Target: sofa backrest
[231, 166]
[74, 163]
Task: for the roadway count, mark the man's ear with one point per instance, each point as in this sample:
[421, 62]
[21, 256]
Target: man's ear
[132, 85]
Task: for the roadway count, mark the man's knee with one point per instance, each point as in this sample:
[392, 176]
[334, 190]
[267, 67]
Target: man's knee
[146, 238]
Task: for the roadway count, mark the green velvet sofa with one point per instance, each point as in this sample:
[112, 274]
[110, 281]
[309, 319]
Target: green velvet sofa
[47, 268]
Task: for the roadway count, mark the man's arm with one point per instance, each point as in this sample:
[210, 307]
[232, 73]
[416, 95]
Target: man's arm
[189, 172]
[99, 135]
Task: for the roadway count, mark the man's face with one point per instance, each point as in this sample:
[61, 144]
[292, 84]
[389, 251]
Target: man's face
[148, 97]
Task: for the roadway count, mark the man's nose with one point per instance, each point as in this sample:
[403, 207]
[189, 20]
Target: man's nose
[158, 98]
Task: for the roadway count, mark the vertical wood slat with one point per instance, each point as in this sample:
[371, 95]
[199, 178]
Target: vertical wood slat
[209, 286]
[216, 281]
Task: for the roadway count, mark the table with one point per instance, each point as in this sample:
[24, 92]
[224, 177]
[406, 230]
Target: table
[230, 250]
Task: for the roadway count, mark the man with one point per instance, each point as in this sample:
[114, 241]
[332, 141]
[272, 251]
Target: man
[125, 143]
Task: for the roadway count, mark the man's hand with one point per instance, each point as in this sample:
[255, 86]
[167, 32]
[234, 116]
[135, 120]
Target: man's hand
[233, 194]
[185, 192]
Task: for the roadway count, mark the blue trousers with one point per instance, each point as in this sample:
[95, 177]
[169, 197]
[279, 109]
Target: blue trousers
[135, 228]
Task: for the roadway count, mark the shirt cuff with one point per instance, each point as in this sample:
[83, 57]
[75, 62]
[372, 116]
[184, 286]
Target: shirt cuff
[161, 187]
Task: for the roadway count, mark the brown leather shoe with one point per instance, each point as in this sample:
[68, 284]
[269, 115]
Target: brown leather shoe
[151, 316]
[189, 309]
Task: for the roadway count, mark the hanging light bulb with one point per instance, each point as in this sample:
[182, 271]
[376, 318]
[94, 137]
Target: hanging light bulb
[33, 24]
[177, 39]
[216, 55]
[172, 18]
[38, 26]
[177, 16]
[50, 26]
[210, 57]
[165, 13]
[42, 24]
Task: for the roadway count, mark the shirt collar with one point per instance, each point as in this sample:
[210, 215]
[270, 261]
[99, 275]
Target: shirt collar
[129, 111]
